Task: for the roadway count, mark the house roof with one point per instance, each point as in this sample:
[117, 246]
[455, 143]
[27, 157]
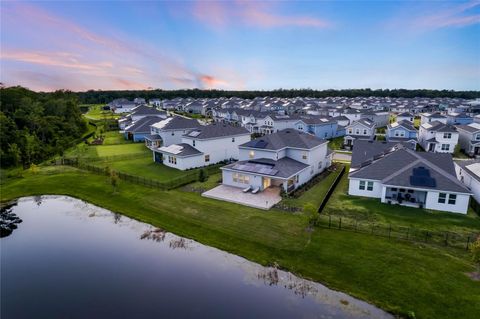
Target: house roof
[365, 150]
[283, 168]
[181, 150]
[316, 119]
[216, 130]
[396, 168]
[147, 110]
[177, 123]
[439, 127]
[472, 127]
[364, 122]
[285, 138]
[471, 166]
[142, 125]
[405, 114]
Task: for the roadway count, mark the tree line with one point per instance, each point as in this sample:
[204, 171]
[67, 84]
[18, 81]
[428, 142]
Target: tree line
[36, 126]
[97, 96]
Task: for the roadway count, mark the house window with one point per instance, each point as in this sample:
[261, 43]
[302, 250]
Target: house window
[361, 186]
[350, 131]
[394, 189]
[319, 165]
[207, 158]
[477, 137]
[173, 133]
[325, 134]
[172, 160]
[445, 147]
[357, 131]
[304, 155]
[452, 199]
[296, 178]
[193, 143]
[447, 135]
[369, 186]
[251, 154]
[233, 139]
[240, 178]
[365, 132]
[442, 197]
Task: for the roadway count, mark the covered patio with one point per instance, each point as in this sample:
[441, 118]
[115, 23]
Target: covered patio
[264, 199]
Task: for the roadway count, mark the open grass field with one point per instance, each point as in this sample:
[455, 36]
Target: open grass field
[372, 210]
[401, 277]
[96, 113]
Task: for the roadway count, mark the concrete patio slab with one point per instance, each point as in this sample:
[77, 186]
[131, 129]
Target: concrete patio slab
[263, 200]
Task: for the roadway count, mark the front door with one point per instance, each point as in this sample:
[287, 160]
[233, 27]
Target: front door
[431, 147]
[476, 150]
[266, 182]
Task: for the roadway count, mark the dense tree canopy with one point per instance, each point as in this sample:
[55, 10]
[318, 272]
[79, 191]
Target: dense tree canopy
[35, 126]
[91, 97]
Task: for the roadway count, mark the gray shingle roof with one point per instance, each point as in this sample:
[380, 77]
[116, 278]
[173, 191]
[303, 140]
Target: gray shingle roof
[469, 127]
[147, 110]
[216, 130]
[187, 150]
[142, 125]
[366, 150]
[179, 123]
[285, 138]
[284, 167]
[464, 165]
[397, 167]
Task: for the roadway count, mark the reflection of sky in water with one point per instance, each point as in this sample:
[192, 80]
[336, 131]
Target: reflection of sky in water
[168, 270]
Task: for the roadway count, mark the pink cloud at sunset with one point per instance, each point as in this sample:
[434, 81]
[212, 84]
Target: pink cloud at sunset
[253, 13]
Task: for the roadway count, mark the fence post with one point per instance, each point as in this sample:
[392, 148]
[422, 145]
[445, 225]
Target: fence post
[340, 223]
[390, 231]
[446, 238]
[426, 236]
[468, 242]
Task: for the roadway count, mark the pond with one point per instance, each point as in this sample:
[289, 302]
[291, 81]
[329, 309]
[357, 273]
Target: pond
[72, 259]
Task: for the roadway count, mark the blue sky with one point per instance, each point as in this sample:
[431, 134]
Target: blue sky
[82, 45]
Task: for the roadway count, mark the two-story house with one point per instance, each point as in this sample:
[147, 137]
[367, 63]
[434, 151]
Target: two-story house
[359, 130]
[203, 146]
[402, 131]
[320, 126]
[399, 175]
[431, 117]
[405, 116]
[170, 131]
[438, 137]
[459, 118]
[286, 159]
[469, 138]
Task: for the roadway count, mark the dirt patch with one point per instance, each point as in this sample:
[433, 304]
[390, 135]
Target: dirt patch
[475, 275]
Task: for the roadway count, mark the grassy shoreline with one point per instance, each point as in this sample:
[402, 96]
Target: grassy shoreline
[399, 277]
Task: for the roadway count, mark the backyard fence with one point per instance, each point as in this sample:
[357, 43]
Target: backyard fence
[392, 231]
[188, 178]
[331, 189]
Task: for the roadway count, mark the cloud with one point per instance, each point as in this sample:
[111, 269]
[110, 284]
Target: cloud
[457, 15]
[220, 14]
[70, 50]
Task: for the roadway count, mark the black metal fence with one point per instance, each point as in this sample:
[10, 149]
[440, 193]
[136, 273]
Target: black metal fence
[188, 178]
[331, 189]
[392, 231]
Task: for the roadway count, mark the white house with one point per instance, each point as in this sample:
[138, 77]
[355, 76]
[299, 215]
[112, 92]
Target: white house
[171, 130]
[438, 137]
[398, 175]
[431, 117]
[405, 116]
[359, 130]
[203, 146]
[469, 138]
[286, 159]
[468, 172]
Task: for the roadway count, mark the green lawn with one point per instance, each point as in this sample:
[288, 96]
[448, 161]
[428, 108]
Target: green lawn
[336, 143]
[122, 149]
[314, 195]
[145, 167]
[212, 181]
[416, 122]
[96, 113]
[372, 210]
[401, 277]
[113, 138]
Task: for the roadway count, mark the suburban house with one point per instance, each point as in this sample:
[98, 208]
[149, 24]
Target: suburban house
[140, 129]
[468, 172]
[170, 130]
[459, 118]
[438, 137]
[286, 159]
[432, 117]
[469, 138]
[380, 118]
[398, 175]
[320, 126]
[138, 113]
[359, 130]
[203, 146]
[402, 131]
[122, 106]
[405, 116]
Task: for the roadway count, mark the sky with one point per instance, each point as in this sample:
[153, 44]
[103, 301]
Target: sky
[240, 45]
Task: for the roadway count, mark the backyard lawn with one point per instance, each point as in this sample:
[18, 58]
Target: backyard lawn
[113, 137]
[401, 277]
[372, 210]
[97, 113]
[336, 143]
[121, 149]
[316, 194]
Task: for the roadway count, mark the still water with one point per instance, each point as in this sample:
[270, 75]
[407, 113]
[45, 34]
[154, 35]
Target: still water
[71, 259]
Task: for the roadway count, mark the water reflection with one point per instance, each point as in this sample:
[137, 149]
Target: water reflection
[126, 265]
